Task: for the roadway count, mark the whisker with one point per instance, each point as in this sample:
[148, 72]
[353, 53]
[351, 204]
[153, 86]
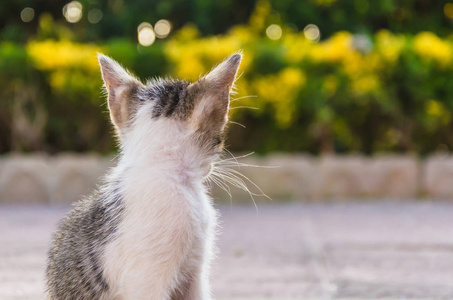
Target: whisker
[238, 76]
[231, 155]
[239, 183]
[242, 125]
[221, 184]
[224, 174]
[243, 97]
[250, 107]
[224, 182]
[251, 182]
[227, 161]
[239, 164]
[238, 157]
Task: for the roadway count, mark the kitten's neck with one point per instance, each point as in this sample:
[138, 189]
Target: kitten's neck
[172, 166]
[161, 160]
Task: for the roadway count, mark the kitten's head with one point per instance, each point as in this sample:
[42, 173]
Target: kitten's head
[171, 119]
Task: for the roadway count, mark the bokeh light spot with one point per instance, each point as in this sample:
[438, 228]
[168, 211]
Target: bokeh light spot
[162, 28]
[73, 11]
[27, 14]
[146, 36]
[274, 32]
[94, 16]
[448, 10]
[312, 33]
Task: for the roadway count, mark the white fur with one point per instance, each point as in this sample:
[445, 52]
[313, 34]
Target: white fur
[164, 241]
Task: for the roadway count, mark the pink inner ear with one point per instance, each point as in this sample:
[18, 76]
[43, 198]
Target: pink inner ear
[229, 87]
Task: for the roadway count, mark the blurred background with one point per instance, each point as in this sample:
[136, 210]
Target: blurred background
[326, 76]
[348, 102]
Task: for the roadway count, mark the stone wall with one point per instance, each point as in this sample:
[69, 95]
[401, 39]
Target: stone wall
[62, 179]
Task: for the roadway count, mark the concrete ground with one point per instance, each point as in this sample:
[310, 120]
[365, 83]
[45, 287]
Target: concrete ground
[283, 251]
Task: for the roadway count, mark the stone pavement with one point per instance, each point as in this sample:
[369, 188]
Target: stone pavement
[350, 250]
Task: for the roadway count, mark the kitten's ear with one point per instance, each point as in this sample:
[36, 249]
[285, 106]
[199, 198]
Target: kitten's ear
[223, 75]
[212, 95]
[121, 88]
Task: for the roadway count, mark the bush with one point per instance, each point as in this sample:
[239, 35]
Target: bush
[350, 92]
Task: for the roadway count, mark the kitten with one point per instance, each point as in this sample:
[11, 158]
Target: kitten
[148, 232]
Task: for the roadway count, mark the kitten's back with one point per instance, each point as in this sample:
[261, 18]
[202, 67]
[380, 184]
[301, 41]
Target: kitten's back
[74, 270]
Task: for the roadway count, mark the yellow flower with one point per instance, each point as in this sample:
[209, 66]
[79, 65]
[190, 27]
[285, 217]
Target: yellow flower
[51, 55]
[330, 84]
[281, 90]
[292, 77]
[354, 64]
[334, 49]
[437, 110]
[194, 57]
[431, 47]
[242, 33]
[298, 47]
[190, 69]
[188, 33]
[260, 15]
[389, 45]
[58, 79]
[365, 84]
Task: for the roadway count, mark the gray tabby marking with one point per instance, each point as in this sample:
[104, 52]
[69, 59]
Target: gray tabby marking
[74, 270]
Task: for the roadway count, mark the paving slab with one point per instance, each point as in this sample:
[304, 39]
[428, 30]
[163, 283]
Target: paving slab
[350, 250]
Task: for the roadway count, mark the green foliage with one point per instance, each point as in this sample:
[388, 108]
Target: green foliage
[360, 88]
[121, 18]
